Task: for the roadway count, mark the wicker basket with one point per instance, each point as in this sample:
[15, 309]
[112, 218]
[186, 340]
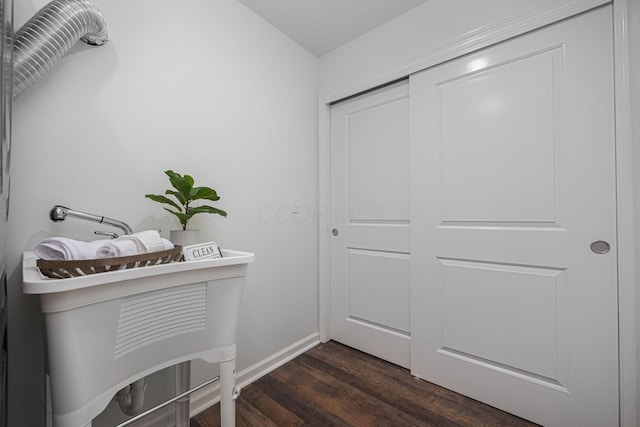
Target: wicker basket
[67, 269]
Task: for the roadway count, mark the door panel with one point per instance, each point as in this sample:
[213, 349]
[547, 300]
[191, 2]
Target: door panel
[512, 178]
[510, 127]
[370, 293]
[370, 213]
[470, 290]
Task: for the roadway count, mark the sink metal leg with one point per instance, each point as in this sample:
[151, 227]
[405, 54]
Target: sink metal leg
[183, 383]
[227, 388]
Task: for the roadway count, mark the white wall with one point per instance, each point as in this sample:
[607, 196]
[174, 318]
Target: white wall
[203, 87]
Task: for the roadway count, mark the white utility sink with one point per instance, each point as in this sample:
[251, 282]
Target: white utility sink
[106, 330]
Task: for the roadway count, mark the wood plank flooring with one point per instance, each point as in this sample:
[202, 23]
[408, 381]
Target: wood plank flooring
[334, 385]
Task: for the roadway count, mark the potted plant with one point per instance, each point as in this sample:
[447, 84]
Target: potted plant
[185, 194]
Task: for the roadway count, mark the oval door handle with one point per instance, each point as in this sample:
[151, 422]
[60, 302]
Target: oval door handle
[600, 247]
[335, 232]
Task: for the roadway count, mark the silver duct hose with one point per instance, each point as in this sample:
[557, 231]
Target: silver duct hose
[42, 41]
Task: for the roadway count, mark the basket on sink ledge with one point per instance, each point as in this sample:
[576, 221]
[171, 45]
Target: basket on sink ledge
[68, 269]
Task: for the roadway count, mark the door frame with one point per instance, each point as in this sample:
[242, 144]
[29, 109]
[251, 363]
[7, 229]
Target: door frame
[545, 13]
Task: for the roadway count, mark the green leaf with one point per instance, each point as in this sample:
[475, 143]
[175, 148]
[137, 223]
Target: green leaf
[207, 209]
[181, 183]
[178, 196]
[199, 193]
[162, 199]
[183, 218]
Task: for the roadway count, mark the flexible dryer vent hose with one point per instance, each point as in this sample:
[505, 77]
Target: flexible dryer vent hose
[46, 37]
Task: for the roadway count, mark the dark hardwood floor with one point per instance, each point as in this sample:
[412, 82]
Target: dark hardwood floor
[334, 385]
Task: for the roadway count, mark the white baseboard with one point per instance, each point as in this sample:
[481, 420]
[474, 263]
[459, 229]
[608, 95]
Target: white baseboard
[209, 396]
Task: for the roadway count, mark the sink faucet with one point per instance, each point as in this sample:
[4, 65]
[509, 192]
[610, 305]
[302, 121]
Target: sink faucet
[60, 213]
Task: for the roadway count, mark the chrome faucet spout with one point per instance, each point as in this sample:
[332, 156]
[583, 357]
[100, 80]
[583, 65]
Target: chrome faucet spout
[60, 213]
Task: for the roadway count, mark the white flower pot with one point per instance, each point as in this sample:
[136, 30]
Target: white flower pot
[184, 237]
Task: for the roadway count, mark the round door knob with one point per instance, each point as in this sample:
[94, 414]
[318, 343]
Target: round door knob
[335, 232]
[600, 247]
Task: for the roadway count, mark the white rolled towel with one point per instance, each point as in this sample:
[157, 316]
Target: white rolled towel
[65, 249]
[134, 244]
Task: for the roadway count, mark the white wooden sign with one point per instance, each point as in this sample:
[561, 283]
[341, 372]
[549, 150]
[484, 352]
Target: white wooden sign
[209, 250]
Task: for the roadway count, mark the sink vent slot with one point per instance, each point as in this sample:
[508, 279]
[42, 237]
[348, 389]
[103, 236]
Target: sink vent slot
[158, 315]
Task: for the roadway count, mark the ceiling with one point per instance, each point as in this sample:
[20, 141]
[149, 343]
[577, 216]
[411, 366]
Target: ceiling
[322, 25]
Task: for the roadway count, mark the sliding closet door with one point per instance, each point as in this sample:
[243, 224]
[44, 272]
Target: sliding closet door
[370, 221]
[513, 242]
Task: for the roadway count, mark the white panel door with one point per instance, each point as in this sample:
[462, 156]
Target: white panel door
[370, 307]
[512, 174]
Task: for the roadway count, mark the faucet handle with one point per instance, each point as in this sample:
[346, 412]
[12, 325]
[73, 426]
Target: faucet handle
[107, 233]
